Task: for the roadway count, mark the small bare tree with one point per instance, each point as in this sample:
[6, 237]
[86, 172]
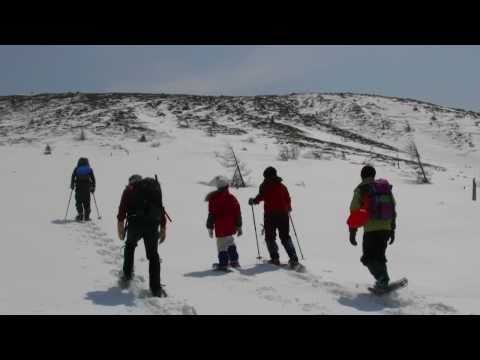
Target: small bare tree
[48, 150]
[210, 131]
[183, 123]
[289, 152]
[229, 160]
[412, 150]
[82, 136]
[250, 140]
[408, 128]
[314, 154]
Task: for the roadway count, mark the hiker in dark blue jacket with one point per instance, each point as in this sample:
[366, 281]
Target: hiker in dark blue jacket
[83, 181]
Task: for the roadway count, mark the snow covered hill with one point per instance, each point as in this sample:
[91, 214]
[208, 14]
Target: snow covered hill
[336, 124]
[48, 266]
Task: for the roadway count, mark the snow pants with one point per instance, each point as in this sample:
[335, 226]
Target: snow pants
[278, 221]
[82, 201]
[374, 247]
[150, 236]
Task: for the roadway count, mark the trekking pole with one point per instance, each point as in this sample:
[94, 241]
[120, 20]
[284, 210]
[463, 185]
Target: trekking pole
[166, 215]
[295, 232]
[66, 212]
[256, 236]
[95, 200]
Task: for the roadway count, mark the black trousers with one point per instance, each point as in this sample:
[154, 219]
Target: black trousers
[278, 221]
[374, 247]
[150, 236]
[82, 201]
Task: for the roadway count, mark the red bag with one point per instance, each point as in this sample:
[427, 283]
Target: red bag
[357, 218]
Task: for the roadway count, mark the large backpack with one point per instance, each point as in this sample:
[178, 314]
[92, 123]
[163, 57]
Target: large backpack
[82, 173]
[380, 203]
[147, 205]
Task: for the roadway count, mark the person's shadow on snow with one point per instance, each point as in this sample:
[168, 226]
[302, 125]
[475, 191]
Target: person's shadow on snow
[369, 302]
[257, 269]
[63, 221]
[111, 297]
[206, 273]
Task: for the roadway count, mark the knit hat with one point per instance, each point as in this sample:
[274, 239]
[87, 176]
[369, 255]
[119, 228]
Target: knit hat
[221, 182]
[82, 161]
[270, 172]
[368, 171]
[134, 178]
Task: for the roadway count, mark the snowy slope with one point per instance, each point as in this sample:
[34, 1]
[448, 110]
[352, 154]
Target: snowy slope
[48, 266]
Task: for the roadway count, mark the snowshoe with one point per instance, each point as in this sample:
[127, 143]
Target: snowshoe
[290, 266]
[274, 262]
[394, 285]
[218, 267]
[124, 281]
[296, 266]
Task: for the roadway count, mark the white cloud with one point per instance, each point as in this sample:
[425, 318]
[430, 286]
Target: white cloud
[260, 68]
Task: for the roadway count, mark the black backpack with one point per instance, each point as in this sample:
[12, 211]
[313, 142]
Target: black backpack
[147, 204]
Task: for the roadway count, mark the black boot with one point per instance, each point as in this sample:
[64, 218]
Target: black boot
[233, 256]
[293, 263]
[275, 261]
[124, 281]
[158, 292]
[379, 271]
[79, 217]
[222, 261]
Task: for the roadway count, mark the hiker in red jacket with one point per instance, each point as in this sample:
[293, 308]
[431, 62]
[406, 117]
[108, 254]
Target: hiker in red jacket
[224, 216]
[277, 205]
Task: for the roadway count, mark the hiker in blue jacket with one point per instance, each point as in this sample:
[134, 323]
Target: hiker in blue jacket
[83, 181]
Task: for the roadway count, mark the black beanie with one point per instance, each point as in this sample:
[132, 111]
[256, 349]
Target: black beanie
[270, 172]
[82, 161]
[367, 172]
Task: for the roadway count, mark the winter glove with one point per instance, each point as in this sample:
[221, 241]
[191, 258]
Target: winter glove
[92, 190]
[353, 233]
[121, 230]
[163, 235]
[251, 201]
[392, 237]
[210, 233]
[72, 187]
[239, 231]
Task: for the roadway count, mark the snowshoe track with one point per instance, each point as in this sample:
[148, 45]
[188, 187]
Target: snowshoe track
[111, 253]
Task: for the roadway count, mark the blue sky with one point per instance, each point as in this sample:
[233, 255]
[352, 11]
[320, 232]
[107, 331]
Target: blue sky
[446, 75]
